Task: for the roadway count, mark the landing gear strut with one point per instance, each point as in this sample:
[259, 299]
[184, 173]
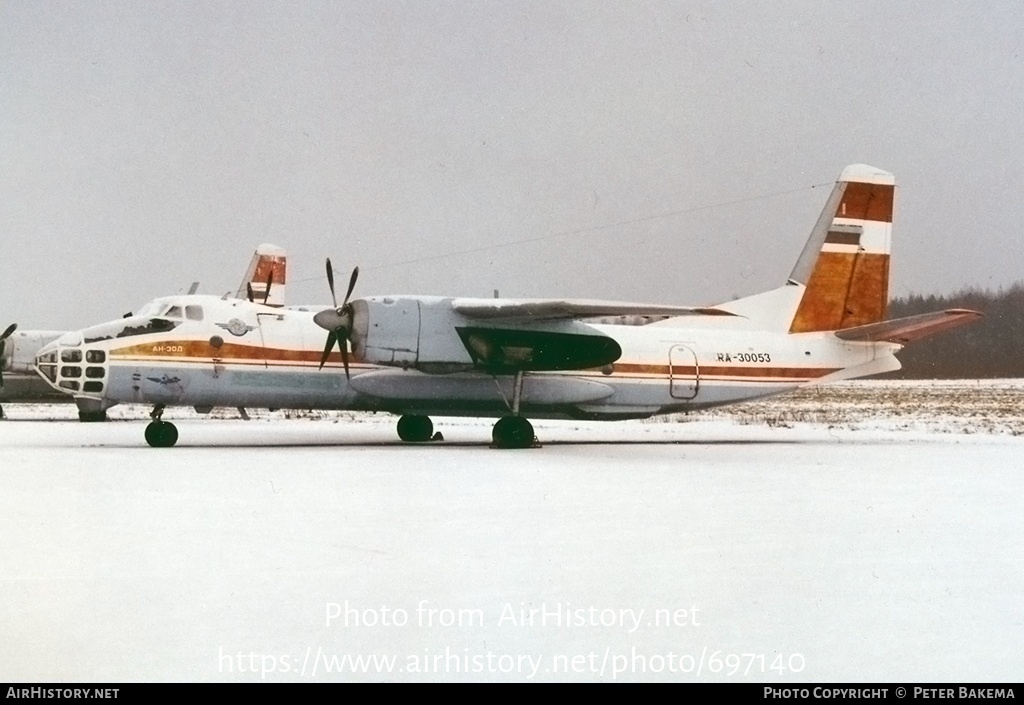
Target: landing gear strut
[415, 429]
[160, 433]
[91, 410]
[514, 431]
[92, 416]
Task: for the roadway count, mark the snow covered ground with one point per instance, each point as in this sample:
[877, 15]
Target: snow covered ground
[862, 532]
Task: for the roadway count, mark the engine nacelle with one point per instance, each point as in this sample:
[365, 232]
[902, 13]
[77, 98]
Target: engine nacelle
[408, 332]
[427, 334]
[386, 331]
[19, 351]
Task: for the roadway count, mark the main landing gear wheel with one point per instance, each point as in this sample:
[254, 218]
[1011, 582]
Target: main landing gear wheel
[415, 429]
[161, 434]
[513, 432]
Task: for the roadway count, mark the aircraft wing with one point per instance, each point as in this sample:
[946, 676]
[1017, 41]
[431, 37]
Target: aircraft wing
[909, 329]
[561, 309]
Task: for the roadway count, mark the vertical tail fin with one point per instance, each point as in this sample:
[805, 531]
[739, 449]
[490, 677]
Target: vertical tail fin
[845, 264]
[268, 266]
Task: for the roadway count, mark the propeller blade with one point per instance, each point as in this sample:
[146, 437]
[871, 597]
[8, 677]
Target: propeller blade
[351, 285]
[343, 347]
[331, 337]
[270, 282]
[338, 321]
[10, 329]
[330, 281]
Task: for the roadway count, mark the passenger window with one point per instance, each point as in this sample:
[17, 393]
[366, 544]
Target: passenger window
[194, 313]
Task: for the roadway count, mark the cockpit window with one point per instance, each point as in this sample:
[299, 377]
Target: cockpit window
[173, 312]
[194, 313]
[153, 325]
[134, 326]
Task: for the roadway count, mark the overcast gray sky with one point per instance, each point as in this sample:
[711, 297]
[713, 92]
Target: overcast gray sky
[656, 151]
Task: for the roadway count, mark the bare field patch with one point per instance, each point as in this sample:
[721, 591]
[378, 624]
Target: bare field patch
[952, 406]
[945, 406]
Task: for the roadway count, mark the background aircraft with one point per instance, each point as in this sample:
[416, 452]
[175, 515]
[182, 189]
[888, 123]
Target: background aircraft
[512, 358]
[18, 380]
[264, 282]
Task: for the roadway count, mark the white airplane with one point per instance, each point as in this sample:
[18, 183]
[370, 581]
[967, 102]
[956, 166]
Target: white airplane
[264, 281]
[18, 381]
[515, 358]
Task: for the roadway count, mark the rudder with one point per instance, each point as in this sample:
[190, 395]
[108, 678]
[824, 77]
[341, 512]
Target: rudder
[845, 268]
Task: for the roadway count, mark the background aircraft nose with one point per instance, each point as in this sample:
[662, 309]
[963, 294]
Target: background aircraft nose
[3, 345]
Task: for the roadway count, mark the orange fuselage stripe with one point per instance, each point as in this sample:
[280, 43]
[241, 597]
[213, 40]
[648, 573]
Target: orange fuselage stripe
[201, 352]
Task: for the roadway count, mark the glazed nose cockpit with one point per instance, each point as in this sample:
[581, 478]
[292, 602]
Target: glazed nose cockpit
[71, 368]
[78, 363]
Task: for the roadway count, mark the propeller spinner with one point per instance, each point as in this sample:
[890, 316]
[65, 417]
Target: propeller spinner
[337, 321]
[3, 344]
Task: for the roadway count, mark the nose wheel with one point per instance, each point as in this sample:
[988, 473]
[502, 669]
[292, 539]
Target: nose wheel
[160, 433]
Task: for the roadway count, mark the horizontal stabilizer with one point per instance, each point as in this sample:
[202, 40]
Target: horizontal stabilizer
[912, 328]
[560, 309]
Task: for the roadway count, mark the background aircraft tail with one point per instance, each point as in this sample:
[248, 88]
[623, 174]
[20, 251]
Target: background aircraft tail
[268, 268]
[845, 263]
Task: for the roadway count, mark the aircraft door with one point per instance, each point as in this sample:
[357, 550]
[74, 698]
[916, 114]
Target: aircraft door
[683, 372]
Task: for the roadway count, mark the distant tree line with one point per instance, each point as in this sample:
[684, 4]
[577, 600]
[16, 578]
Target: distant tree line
[990, 347]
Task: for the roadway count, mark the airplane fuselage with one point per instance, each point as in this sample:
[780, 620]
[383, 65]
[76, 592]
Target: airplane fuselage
[413, 358]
